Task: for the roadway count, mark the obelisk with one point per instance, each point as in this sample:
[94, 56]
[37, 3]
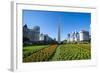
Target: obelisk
[59, 34]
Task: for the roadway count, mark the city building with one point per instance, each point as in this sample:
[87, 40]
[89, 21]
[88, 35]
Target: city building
[84, 35]
[68, 37]
[74, 36]
[45, 37]
[31, 34]
[78, 36]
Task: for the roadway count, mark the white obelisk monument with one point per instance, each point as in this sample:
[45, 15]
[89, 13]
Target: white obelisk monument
[59, 34]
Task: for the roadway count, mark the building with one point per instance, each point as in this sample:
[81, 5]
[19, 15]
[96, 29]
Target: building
[31, 34]
[45, 37]
[78, 36]
[42, 37]
[68, 37]
[25, 31]
[74, 36]
[84, 35]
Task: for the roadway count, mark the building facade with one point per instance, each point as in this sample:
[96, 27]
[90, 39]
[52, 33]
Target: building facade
[31, 34]
[84, 35]
[74, 36]
[78, 36]
[45, 37]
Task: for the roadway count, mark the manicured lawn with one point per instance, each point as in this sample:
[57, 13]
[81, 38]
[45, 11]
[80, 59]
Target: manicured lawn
[28, 50]
[56, 52]
[41, 55]
[72, 52]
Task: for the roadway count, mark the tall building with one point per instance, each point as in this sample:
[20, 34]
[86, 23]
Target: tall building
[72, 36]
[84, 35]
[42, 37]
[25, 31]
[31, 34]
[36, 33]
[76, 36]
[68, 37]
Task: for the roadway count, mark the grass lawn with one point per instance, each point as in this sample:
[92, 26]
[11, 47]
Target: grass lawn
[56, 52]
[41, 55]
[28, 50]
[72, 52]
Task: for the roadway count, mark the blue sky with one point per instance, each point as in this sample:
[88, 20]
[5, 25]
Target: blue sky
[49, 20]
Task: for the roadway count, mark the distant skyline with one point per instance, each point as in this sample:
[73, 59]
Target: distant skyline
[48, 21]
